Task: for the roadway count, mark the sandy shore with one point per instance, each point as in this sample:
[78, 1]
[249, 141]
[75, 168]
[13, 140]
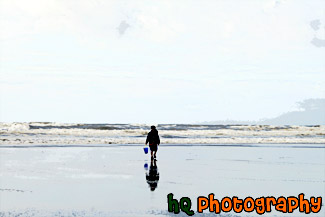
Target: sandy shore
[111, 181]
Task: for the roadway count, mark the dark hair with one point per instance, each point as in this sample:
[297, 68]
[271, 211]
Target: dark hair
[153, 127]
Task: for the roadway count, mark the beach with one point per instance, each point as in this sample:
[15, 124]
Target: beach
[109, 180]
[233, 92]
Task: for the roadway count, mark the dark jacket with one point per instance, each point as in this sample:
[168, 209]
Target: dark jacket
[153, 137]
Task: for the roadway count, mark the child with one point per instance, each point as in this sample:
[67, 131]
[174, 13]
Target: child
[154, 141]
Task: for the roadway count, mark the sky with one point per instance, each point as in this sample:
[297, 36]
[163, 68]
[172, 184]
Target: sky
[159, 61]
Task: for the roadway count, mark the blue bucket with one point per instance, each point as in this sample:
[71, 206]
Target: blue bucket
[145, 149]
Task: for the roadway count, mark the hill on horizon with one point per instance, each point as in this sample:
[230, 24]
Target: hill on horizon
[312, 113]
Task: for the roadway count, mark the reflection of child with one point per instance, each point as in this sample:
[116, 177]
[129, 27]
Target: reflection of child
[154, 141]
[153, 175]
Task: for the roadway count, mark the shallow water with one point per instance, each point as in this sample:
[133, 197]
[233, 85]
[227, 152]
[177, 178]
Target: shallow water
[111, 181]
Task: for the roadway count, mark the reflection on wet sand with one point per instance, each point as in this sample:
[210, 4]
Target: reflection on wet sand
[152, 176]
[92, 181]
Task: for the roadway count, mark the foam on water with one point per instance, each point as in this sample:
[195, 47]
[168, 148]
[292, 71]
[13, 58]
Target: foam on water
[57, 133]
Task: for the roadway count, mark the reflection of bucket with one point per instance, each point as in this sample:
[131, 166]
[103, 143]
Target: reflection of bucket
[145, 166]
[145, 149]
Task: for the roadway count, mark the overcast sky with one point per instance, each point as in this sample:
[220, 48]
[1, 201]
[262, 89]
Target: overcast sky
[159, 61]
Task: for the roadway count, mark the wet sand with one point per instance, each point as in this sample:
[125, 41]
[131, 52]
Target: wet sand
[111, 181]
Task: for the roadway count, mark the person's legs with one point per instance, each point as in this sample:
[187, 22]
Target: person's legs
[153, 149]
